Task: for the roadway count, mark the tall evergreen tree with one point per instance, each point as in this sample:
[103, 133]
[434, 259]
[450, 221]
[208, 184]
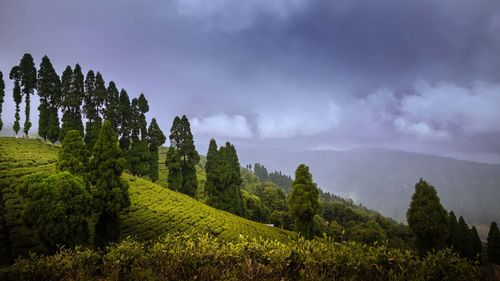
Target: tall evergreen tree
[18, 98]
[112, 103]
[94, 87]
[72, 99]
[174, 167]
[303, 201]
[100, 94]
[2, 95]
[181, 139]
[48, 88]
[465, 239]
[143, 109]
[74, 155]
[454, 237]
[126, 120]
[138, 158]
[223, 178]
[111, 192]
[427, 218]
[477, 246]
[156, 139]
[493, 246]
[27, 73]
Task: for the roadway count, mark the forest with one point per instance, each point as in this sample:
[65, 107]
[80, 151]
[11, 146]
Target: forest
[98, 193]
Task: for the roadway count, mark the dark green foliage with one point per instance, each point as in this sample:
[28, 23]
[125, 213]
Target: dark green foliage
[223, 178]
[303, 201]
[2, 95]
[27, 72]
[196, 256]
[112, 103]
[18, 98]
[58, 208]
[111, 192]
[281, 180]
[493, 246]
[476, 244]
[72, 98]
[427, 218]
[173, 163]
[181, 139]
[138, 158]
[49, 91]
[74, 155]
[143, 109]
[156, 138]
[91, 107]
[454, 237]
[126, 121]
[261, 172]
[465, 239]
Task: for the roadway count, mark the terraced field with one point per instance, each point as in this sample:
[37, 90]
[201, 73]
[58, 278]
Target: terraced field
[154, 210]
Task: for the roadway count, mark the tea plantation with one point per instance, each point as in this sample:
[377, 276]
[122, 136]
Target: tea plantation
[154, 210]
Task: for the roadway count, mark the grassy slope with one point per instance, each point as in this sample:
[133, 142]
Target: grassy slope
[154, 209]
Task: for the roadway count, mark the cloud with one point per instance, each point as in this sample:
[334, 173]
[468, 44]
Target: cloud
[419, 129]
[447, 108]
[222, 125]
[233, 15]
[300, 120]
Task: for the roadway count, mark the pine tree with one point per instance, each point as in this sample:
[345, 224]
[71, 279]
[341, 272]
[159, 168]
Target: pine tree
[111, 192]
[112, 103]
[18, 98]
[48, 88]
[138, 158]
[427, 218]
[126, 120]
[143, 109]
[477, 246]
[2, 95]
[303, 201]
[213, 174]
[72, 99]
[173, 163]
[454, 238]
[493, 246]
[27, 72]
[156, 139]
[181, 139]
[73, 155]
[465, 239]
[100, 94]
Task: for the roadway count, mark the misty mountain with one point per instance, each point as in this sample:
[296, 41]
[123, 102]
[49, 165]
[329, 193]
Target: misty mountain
[384, 179]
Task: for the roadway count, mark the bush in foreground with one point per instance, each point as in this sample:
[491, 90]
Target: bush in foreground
[202, 257]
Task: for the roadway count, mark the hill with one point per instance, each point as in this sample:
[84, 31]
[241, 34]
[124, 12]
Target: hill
[154, 210]
[384, 180]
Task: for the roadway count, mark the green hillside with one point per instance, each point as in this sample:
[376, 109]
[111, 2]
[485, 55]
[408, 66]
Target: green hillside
[154, 210]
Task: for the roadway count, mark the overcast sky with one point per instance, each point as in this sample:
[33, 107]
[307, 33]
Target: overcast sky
[296, 74]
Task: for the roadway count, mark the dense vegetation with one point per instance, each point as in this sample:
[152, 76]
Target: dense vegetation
[193, 256]
[153, 211]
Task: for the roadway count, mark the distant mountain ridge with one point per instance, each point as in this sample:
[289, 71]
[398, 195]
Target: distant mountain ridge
[383, 179]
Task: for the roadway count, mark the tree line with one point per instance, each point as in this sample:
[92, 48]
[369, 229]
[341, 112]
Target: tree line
[85, 99]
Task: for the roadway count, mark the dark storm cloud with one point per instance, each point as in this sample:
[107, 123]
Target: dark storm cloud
[416, 75]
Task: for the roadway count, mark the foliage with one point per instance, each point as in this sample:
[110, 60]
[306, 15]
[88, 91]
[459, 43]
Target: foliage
[493, 246]
[72, 98]
[427, 218]
[195, 256]
[139, 158]
[49, 91]
[57, 207]
[223, 178]
[181, 140]
[27, 73]
[112, 106]
[155, 138]
[74, 156]
[2, 95]
[110, 191]
[303, 201]
[125, 121]
[16, 93]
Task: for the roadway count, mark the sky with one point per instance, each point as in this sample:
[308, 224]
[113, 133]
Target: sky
[421, 76]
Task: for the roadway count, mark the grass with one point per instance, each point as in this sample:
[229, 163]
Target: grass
[154, 210]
